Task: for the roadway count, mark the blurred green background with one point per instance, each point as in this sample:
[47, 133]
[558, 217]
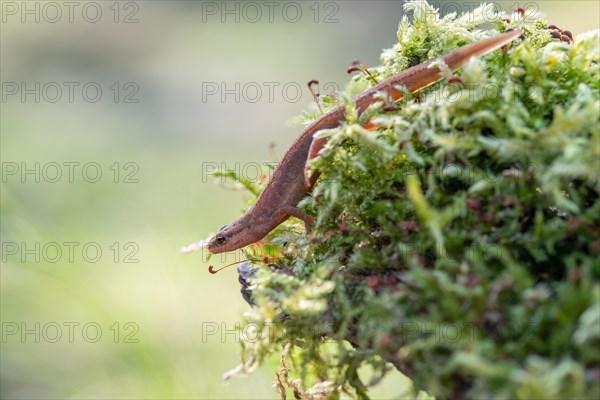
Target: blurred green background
[167, 326]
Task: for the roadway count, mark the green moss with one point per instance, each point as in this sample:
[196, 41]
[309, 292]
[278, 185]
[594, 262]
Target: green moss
[470, 250]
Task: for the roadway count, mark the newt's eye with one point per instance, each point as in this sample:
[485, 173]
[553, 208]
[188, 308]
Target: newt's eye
[220, 238]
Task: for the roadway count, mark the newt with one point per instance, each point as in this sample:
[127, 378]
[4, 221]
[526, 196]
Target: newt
[291, 179]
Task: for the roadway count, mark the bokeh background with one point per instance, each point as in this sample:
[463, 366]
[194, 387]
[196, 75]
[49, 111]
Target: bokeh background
[139, 319]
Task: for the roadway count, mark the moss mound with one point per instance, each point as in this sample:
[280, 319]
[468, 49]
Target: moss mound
[460, 241]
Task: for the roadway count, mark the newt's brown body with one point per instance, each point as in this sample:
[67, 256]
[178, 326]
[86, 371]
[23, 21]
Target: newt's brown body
[278, 200]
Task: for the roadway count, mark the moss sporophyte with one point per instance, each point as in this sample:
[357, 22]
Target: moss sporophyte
[454, 230]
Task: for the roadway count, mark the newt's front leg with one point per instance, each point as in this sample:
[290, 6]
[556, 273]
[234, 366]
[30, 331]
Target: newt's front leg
[287, 210]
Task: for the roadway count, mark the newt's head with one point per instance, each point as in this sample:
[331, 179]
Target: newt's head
[228, 238]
